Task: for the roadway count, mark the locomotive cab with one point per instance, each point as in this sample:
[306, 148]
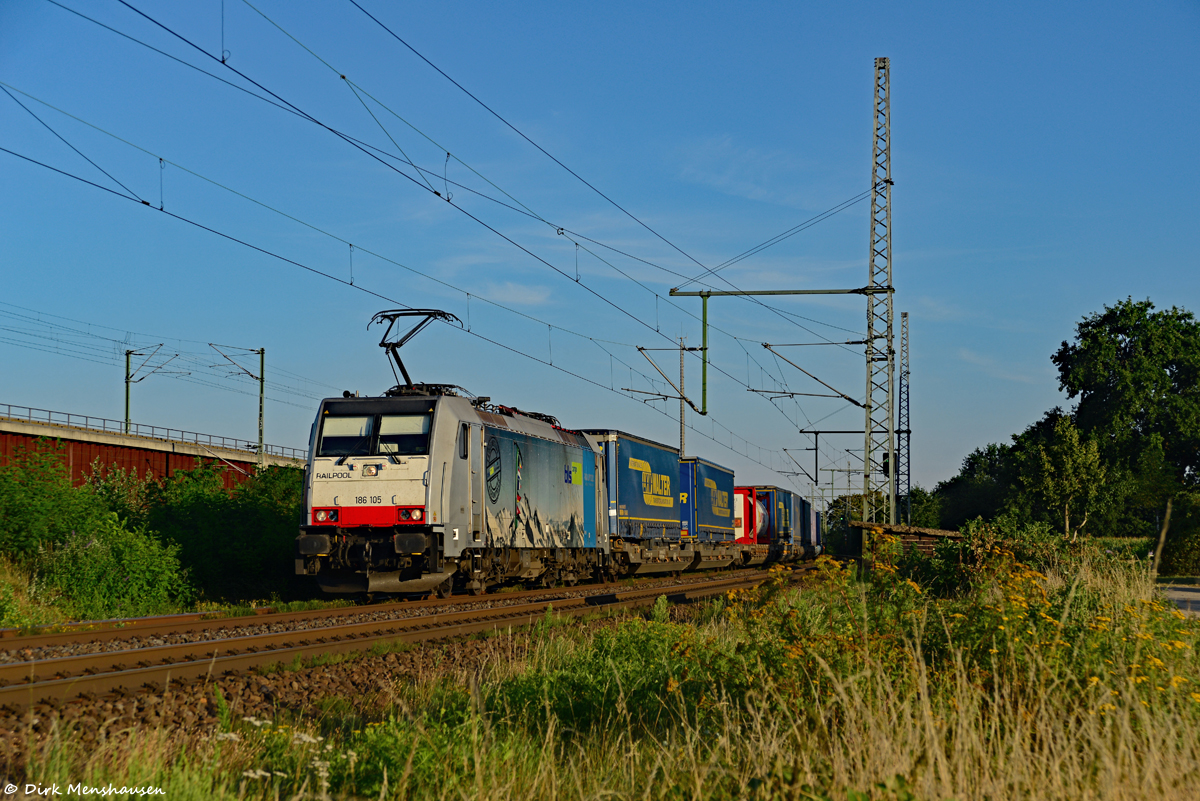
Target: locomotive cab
[369, 523]
[417, 492]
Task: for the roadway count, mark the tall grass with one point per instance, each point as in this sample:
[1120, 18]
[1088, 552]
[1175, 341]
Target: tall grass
[1073, 681]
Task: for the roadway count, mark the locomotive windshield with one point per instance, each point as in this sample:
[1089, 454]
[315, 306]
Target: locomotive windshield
[404, 434]
[374, 435]
[346, 436]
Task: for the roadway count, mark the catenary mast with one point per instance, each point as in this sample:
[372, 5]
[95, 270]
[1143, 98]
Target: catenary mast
[879, 453]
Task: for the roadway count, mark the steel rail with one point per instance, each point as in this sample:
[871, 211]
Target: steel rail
[211, 658]
[188, 623]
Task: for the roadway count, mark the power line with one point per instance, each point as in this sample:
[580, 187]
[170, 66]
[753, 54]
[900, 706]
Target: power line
[417, 272]
[462, 210]
[516, 130]
[529, 212]
[129, 333]
[364, 146]
[52, 332]
[375, 294]
[367, 150]
[775, 240]
[596, 340]
[68, 144]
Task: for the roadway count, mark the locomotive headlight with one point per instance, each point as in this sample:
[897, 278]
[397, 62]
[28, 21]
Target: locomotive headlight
[416, 515]
[322, 516]
[370, 470]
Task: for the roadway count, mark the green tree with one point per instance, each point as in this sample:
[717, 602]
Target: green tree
[1065, 477]
[1136, 374]
[981, 488]
[924, 506]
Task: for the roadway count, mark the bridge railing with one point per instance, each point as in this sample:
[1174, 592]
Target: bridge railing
[142, 430]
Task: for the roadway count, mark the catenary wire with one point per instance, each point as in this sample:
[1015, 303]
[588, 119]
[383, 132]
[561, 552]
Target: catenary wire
[491, 111]
[517, 131]
[651, 380]
[349, 138]
[304, 115]
[380, 296]
[524, 209]
[356, 91]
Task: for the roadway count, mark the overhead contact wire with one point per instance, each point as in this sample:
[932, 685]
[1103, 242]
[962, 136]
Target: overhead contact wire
[364, 290]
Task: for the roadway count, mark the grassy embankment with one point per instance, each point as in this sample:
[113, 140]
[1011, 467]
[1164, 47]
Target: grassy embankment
[1029, 669]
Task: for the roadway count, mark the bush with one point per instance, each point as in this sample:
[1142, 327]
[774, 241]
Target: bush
[38, 505]
[109, 571]
[236, 544]
[75, 553]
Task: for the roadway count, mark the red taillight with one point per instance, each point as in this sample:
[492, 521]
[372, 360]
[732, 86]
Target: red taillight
[405, 514]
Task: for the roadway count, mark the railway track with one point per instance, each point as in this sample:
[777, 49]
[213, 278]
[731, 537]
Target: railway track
[197, 624]
[63, 678]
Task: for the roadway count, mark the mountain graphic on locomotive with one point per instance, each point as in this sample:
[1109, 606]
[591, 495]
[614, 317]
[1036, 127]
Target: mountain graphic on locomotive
[425, 490]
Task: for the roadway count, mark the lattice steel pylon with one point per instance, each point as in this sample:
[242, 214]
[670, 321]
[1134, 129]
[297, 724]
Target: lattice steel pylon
[879, 453]
[903, 429]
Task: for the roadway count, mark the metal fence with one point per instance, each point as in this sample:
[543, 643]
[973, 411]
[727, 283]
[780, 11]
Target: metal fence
[141, 430]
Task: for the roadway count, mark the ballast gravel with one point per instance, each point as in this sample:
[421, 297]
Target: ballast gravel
[361, 689]
[245, 627]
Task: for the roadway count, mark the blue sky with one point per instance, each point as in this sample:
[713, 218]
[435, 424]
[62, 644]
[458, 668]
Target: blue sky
[1041, 154]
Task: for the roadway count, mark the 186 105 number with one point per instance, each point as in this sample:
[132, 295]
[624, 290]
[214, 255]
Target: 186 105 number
[368, 499]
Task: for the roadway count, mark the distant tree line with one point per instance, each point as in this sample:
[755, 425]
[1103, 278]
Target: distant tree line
[1109, 465]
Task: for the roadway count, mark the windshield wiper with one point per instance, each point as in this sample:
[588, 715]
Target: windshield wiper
[354, 448]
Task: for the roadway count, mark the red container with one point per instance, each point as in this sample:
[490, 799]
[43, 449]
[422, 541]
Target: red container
[750, 526]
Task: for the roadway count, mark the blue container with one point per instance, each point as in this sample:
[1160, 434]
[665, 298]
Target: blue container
[706, 501]
[803, 522]
[780, 514]
[643, 486]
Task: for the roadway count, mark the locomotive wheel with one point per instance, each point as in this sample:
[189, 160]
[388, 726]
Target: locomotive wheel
[477, 591]
[442, 590]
